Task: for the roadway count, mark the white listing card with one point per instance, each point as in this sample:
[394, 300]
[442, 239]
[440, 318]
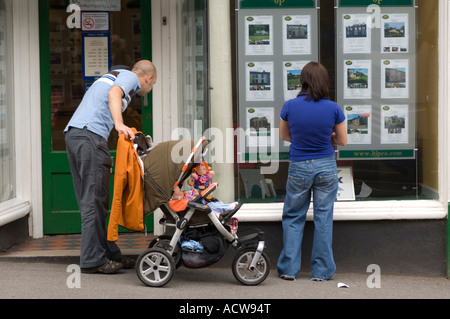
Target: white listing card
[359, 124]
[260, 123]
[357, 34]
[291, 78]
[259, 81]
[395, 36]
[394, 79]
[259, 35]
[297, 35]
[394, 124]
[357, 79]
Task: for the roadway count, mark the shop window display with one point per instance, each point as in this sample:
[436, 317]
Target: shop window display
[377, 57]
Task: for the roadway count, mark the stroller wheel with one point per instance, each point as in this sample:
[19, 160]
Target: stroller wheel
[241, 267]
[176, 255]
[155, 267]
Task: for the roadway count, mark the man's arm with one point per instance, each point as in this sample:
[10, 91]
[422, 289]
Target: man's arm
[115, 105]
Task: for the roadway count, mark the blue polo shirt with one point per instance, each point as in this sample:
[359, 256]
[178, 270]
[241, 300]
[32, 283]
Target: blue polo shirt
[311, 125]
[93, 111]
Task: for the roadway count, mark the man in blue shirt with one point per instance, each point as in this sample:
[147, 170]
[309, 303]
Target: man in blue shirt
[87, 136]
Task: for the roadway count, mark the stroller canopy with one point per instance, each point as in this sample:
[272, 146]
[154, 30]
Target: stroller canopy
[164, 167]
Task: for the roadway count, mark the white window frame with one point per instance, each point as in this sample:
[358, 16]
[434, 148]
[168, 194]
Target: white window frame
[27, 116]
[393, 210]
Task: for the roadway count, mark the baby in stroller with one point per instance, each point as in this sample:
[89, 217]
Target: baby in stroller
[191, 215]
[217, 207]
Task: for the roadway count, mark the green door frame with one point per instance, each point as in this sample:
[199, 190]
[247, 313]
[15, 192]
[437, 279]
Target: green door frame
[448, 242]
[60, 209]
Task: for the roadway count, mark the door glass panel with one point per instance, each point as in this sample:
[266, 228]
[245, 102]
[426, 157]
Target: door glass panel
[66, 64]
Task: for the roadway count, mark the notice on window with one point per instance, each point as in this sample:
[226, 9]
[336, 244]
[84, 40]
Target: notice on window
[394, 37]
[357, 79]
[296, 35]
[394, 124]
[95, 21]
[357, 34]
[259, 35]
[260, 123]
[359, 124]
[395, 79]
[259, 80]
[291, 78]
[96, 56]
[98, 5]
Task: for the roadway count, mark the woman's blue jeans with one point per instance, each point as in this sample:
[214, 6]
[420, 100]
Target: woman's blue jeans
[318, 176]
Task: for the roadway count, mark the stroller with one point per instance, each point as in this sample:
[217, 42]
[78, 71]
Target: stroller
[192, 221]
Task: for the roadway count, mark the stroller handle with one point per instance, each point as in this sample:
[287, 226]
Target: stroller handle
[206, 192]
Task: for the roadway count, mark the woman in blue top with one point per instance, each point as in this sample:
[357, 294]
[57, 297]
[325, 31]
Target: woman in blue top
[313, 124]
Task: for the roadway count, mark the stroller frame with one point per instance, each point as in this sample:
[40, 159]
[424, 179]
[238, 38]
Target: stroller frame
[155, 267]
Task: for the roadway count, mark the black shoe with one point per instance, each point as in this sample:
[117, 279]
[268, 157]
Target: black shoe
[127, 263]
[288, 277]
[110, 267]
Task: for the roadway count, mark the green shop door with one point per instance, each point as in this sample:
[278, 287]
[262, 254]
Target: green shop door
[66, 73]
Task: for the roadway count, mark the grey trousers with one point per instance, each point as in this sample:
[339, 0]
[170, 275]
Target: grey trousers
[90, 164]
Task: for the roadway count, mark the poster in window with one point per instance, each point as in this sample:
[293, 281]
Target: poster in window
[357, 79]
[259, 81]
[394, 79]
[259, 35]
[357, 34]
[260, 123]
[296, 35]
[394, 124]
[359, 124]
[199, 80]
[96, 58]
[291, 78]
[3, 125]
[199, 34]
[394, 33]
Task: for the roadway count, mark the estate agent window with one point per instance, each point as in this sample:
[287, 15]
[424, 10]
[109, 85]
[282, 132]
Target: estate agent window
[382, 59]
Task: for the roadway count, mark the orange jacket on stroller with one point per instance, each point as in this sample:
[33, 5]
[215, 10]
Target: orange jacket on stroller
[127, 208]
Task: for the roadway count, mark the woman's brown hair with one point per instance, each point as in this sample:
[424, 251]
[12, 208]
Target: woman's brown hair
[315, 82]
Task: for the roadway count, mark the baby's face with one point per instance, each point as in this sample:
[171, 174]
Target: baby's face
[201, 170]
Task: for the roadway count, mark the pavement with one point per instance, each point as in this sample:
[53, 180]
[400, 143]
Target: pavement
[47, 269]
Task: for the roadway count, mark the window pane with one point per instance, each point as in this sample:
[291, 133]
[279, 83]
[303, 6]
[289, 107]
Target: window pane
[7, 155]
[193, 109]
[392, 126]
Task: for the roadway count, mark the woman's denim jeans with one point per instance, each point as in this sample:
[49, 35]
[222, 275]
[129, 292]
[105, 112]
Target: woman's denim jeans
[319, 177]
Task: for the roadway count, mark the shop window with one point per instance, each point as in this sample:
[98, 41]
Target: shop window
[193, 56]
[7, 152]
[118, 45]
[382, 62]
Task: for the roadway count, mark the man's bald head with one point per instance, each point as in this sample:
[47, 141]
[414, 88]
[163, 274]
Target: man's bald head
[147, 75]
[144, 68]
